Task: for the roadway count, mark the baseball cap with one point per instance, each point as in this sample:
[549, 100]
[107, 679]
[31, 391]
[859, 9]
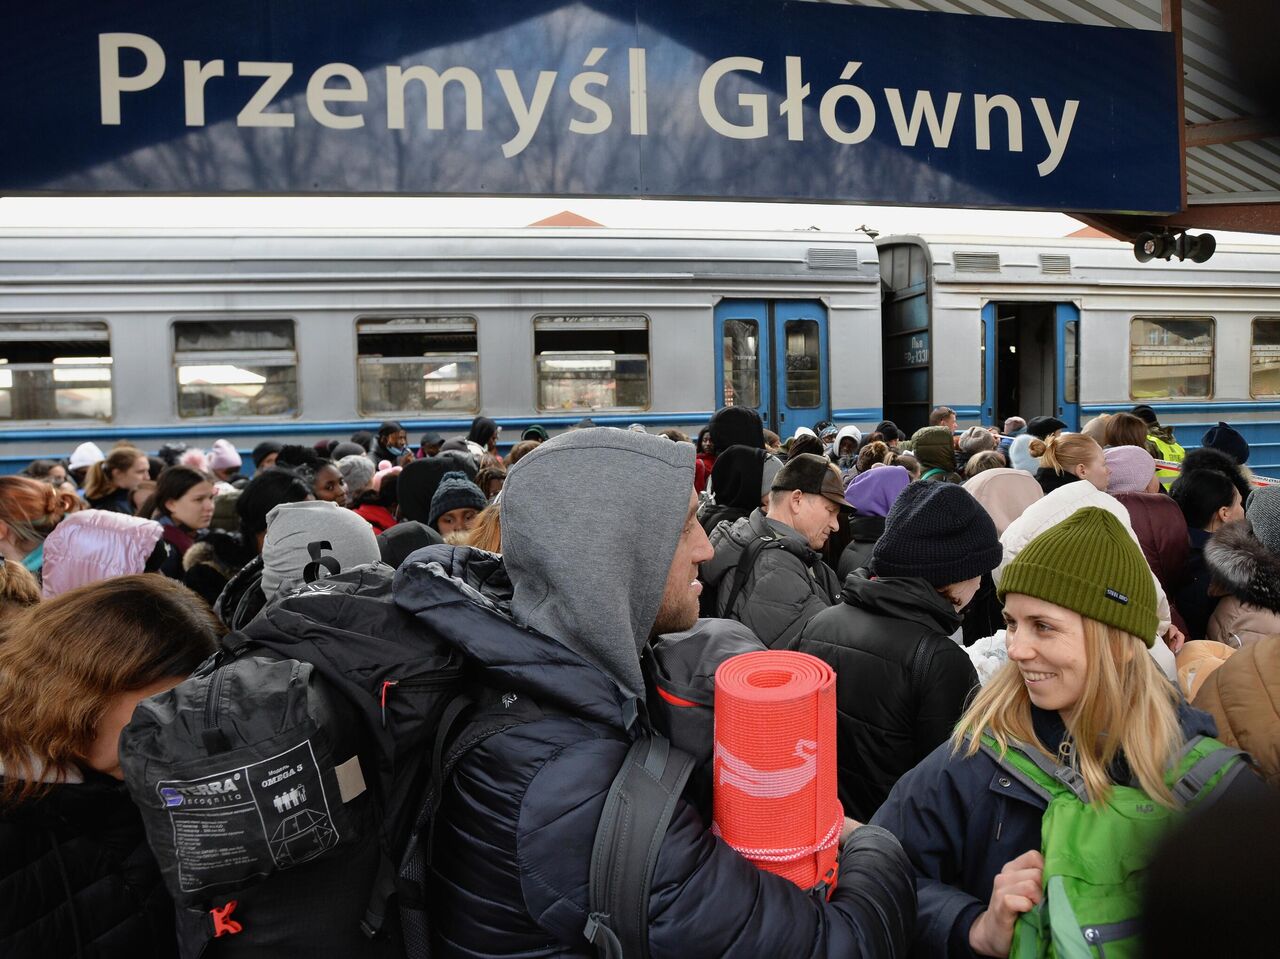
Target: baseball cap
[810, 473]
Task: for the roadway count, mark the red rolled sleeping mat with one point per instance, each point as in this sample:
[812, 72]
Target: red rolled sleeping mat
[774, 790]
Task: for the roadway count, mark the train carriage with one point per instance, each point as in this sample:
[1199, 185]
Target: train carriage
[1078, 327]
[155, 336]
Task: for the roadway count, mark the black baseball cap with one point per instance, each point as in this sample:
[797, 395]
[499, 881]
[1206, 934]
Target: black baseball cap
[810, 473]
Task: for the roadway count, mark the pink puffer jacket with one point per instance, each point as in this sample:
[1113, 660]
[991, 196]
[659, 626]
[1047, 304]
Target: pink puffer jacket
[94, 545]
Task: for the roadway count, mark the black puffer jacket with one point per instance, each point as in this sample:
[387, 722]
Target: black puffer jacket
[77, 879]
[513, 839]
[901, 682]
[865, 531]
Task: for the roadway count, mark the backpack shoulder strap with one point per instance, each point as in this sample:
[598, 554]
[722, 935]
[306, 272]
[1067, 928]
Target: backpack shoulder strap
[636, 815]
[746, 563]
[1036, 771]
[1203, 769]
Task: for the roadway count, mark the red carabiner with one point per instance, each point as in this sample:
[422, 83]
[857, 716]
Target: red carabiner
[223, 924]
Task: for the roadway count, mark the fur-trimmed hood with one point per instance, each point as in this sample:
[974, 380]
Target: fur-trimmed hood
[1243, 566]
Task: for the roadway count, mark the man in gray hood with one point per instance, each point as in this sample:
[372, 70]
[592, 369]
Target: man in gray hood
[589, 530]
[601, 548]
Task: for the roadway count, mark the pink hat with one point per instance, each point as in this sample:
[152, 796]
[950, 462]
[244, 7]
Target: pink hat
[1131, 467]
[385, 469]
[196, 459]
[223, 456]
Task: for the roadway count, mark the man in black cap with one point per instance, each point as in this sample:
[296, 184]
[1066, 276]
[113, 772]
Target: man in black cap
[767, 571]
[429, 445]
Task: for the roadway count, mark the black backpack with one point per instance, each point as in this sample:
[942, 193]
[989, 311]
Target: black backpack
[708, 607]
[290, 769]
[288, 786]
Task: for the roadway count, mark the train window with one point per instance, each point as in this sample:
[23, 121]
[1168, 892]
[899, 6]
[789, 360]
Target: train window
[592, 362]
[741, 358]
[1170, 357]
[235, 367]
[804, 372]
[417, 364]
[1071, 362]
[1264, 357]
[55, 370]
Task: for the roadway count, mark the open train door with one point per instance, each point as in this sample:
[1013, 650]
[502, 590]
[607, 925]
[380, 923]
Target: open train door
[1031, 362]
[772, 356]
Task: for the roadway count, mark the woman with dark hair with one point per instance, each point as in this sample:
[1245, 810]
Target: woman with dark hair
[484, 433]
[109, 482]
[490, 480]
[51, 471]
[183, 504]
[78, 875]
[1209, 501]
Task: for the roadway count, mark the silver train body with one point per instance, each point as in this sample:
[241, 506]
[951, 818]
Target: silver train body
[162, 336]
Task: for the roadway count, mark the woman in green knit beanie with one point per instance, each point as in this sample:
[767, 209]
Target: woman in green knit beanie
[1079, 686]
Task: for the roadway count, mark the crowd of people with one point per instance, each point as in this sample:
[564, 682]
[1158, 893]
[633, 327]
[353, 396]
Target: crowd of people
[1099, 600]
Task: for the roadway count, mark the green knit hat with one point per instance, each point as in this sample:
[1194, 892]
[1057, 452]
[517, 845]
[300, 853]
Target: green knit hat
[1090, 564]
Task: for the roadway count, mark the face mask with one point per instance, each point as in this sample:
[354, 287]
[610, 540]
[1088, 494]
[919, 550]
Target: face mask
[396, 451]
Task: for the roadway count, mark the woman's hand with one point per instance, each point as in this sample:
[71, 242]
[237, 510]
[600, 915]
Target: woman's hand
[1174, 638]
[1016, 890]
[849, 826]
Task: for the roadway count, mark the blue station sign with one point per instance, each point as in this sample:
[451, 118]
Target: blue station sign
[656, 98]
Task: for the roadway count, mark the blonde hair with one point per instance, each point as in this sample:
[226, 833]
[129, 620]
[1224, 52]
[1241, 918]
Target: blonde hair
[100, 480]
[1064, 452]
[1097, 428]
[1127, 706]
[486, 530]
[980, 462]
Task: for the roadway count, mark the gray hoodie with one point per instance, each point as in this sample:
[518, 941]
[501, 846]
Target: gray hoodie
[291, 527]
[590, 524]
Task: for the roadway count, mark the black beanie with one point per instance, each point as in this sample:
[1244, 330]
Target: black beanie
[736, 426]
[939, 533]
[1223, 437]
[265, 449]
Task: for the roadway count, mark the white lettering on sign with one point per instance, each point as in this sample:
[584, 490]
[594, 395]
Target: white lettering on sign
[847, 112]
